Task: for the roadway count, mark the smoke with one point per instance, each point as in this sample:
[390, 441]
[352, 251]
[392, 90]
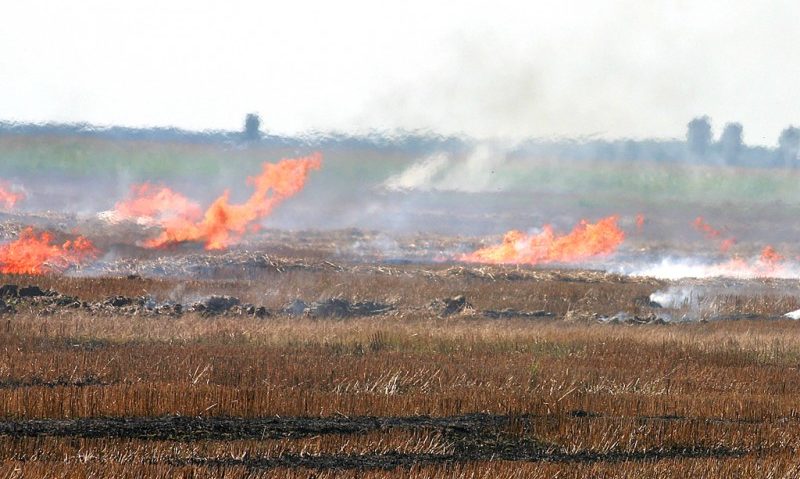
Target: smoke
[480, 171]
[399, 189]
[151, 204]
[677, 297]
[423, 175]
[713, 234]
[687, 302]
[673, 268]
[693, 300]
[379, 246]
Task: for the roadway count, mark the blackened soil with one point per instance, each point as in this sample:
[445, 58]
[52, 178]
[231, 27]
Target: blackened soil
[198, 428]
[470, 437]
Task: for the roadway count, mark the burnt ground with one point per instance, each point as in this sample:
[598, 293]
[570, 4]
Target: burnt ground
[182, 428]
[473, 437]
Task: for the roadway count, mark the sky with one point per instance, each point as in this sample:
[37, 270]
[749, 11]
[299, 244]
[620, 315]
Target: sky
[494, 69]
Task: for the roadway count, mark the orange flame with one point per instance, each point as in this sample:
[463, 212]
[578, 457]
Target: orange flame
[224, 223]
[640, 222]
[713, 233]
[156, 203]
[585, 241]
[35, 254]
[770, 263]
[701, 225]
[726, 244]
[771, 257]
[8, 197]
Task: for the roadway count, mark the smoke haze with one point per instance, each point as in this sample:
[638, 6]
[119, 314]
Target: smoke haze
[612, 69]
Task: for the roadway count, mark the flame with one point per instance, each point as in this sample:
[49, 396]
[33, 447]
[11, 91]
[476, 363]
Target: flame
[8, 197]
[770, 256]
[585, 241]
[726, 244]
[712, 233]
[224, 223]
[701, 225]
[36, 254]
[156, 204]
[771, 260]
[769, 264]
[639, 222]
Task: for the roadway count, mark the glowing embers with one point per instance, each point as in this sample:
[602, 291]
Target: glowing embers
[586, 241]
[34, 253]
[223, 223]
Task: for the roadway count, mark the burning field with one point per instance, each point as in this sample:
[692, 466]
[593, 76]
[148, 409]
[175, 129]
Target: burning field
[189, 332]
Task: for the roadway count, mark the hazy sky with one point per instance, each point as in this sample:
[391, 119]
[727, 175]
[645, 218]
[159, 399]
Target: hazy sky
[496, 68]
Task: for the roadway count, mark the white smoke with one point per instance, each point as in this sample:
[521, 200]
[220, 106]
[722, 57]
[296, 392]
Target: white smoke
[422, 175]
[678, 297]
[480, 171]
[693, 300]
[672, 268]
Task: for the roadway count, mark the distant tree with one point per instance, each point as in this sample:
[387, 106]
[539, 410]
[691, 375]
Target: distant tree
[698, 135]
[632, 150]
[789, 147]
[731, 143]
[252, 127]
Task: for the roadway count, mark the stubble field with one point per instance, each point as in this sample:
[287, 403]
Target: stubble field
[453, 372]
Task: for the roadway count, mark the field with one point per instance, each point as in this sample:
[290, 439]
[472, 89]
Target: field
[344, 336]
[521, 377]
[523, 192]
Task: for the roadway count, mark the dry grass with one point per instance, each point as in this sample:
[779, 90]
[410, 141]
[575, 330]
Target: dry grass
[408, 287]
[778, 465]
[596, 400]
[246, 367]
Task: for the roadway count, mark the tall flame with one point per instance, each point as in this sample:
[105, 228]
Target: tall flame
[586, 240]
[8, 197]
[36, 254]
[224, 223]
[156, 203]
